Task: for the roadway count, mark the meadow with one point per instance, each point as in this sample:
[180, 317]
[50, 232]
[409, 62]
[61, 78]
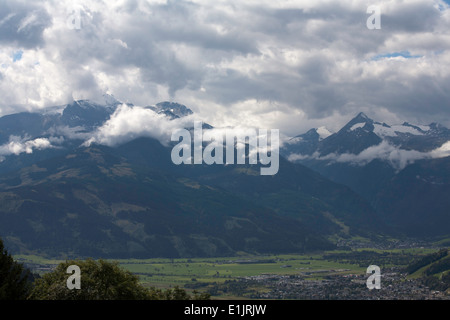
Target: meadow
[202, 273]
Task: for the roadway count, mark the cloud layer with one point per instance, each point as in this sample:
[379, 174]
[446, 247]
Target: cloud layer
[398, 158]
[285, 64]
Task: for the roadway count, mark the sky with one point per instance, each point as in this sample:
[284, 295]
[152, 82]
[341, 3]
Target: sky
[289, 65]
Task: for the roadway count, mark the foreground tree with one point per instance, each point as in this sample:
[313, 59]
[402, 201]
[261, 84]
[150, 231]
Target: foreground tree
[179, 294]
[100, 280]
[14, 278]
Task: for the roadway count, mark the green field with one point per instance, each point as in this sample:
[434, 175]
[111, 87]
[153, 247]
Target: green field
[202, 273]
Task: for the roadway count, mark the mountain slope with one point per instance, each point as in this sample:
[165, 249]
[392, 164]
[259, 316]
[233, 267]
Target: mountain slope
[416, 200]
[60, 197]
[297, 192]
[433, 269]
[94, 204]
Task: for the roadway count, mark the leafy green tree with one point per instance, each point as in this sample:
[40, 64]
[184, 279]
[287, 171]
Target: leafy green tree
[100, 280]
[177, 294]
[14, 278]
[201, 296]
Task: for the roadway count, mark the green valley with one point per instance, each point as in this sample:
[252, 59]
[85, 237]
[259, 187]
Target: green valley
[327, 274]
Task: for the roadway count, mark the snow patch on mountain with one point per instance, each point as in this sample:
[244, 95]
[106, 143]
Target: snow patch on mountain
[392, 131]
[357, 125]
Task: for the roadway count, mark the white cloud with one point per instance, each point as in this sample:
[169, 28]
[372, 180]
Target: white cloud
[307, 60]
[130, 122]
[71, 133]
[17, 145]
[398, 158]
[442, 151]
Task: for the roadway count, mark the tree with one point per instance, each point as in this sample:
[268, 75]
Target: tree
[100, 280]
[14, 278]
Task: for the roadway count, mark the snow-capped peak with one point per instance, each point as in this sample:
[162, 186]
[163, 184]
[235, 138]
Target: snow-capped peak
[173, 108]
[357, 125]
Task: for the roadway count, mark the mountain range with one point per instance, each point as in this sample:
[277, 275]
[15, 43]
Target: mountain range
[402, 170]
[70, 187]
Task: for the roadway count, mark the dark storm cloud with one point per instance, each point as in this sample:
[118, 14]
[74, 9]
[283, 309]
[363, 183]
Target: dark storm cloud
[411, 17]
[150, 42]
[22, 24]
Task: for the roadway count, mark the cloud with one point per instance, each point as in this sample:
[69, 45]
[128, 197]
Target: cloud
[229, 59]
[130, 122]
[71, 133]
[23, 23]
[441, 152]
[17, 145]
[398, 158]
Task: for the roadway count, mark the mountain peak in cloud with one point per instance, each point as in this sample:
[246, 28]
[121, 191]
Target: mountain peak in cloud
[312, 134]
[172, 109]
[361, 117]
[362, 140]
[110, 100]
[360, 121]
[85, 113]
